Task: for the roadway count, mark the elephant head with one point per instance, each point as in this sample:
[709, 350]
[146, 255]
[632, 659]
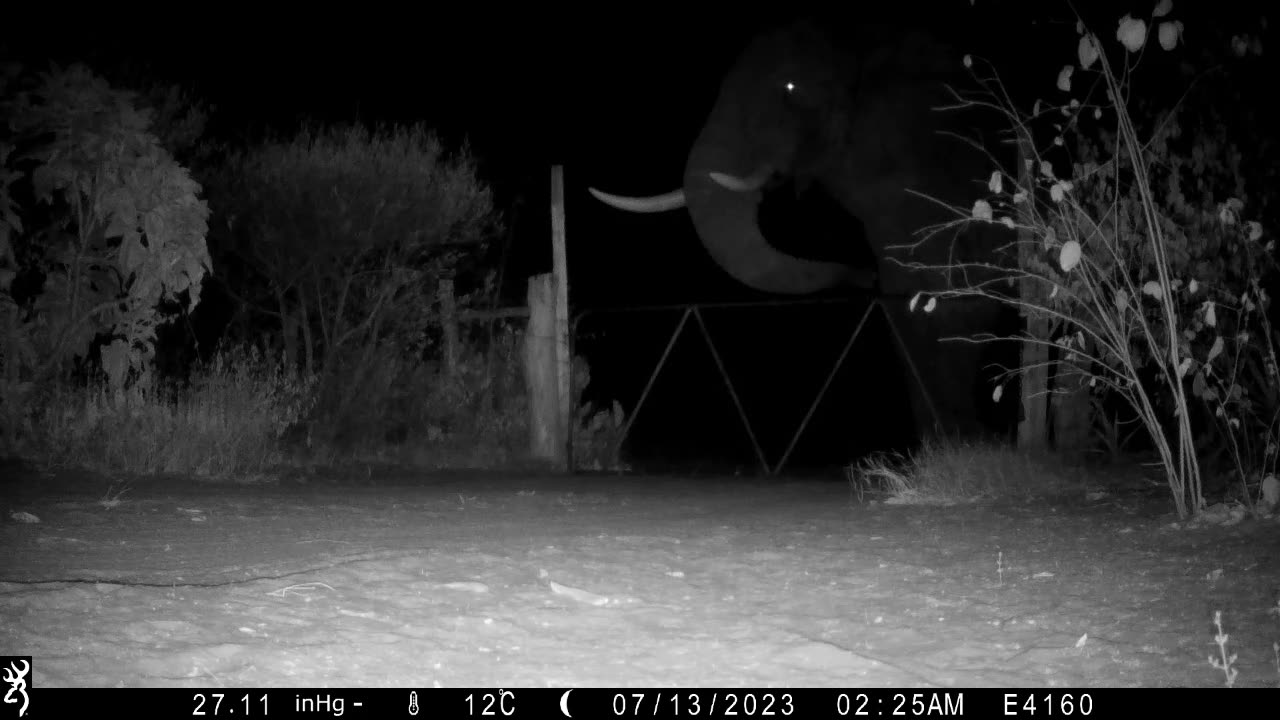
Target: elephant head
[857, 121]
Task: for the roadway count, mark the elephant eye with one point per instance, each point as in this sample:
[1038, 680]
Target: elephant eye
[795, 96]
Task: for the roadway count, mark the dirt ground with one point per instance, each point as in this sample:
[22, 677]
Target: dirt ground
[404, 580]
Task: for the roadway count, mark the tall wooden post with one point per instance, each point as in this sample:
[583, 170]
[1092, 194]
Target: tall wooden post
[547, 358]
[1033, 431]
[546, 440]
[564, 360]
[449, 326]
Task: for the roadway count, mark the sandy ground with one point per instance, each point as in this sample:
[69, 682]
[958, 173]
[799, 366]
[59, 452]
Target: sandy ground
[407, 580]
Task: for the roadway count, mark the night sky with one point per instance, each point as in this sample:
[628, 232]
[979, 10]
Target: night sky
[616, 97]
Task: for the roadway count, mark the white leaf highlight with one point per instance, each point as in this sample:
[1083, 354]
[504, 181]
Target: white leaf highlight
[1064, 77]
[982, 210]
[1069, 257]
[1216, 350]
[1132, 33]
[1087, 51]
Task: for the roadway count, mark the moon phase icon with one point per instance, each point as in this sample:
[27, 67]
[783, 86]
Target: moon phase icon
[564, 703]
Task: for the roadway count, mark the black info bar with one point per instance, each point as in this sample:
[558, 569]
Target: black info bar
[596, 703]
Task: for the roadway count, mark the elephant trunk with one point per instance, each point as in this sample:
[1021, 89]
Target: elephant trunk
[722, 191]
[726, 222]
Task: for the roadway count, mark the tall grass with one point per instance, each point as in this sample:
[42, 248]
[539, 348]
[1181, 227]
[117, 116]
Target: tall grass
[226, 420]
[945, 472]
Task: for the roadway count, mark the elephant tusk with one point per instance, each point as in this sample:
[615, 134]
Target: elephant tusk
[657, 203]
[750, 183]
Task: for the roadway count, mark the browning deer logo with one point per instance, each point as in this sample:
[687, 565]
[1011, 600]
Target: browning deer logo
[17, 680]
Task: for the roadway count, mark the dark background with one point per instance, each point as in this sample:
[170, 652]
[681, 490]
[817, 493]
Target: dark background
[616, 98]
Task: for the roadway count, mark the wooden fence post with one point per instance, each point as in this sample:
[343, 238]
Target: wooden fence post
[1033, 431]
[449, 327]
[541, 379]
[563, 356]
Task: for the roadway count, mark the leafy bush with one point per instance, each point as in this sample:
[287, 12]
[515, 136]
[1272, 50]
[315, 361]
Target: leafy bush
[597, 432]
[393, 406]
[341, 235]
[121, 228]
[1141, 257]
[117, 230]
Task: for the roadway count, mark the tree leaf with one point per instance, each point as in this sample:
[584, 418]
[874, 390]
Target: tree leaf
[1069, 257]
[1064, 77]
[1199, 386]
[1087, 51]
[1132, 33]
[982, 210]
[1058, 192]
[1214, 351]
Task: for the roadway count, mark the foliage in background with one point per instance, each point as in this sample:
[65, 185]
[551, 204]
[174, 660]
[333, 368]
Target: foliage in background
[410, 412]
[1139, 254]
[117, 228]
[597, 432]
[336, 238]
[340, 235]
[226, 422]
[246, 415]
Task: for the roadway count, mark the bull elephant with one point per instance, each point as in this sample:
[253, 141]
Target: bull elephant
[856, 120]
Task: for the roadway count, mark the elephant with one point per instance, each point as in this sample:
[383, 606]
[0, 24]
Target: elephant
[855, 119]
